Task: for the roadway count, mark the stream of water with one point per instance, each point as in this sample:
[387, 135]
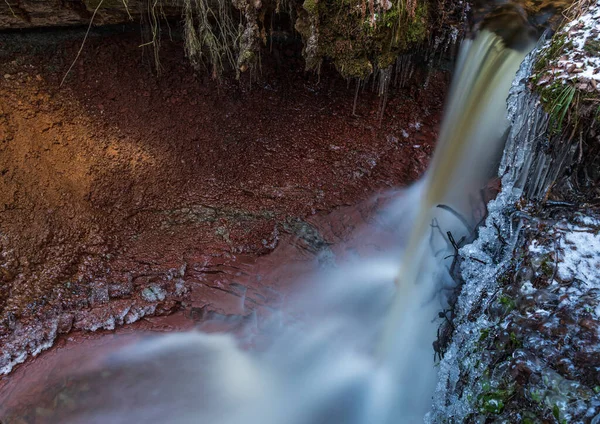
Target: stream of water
[356, 345]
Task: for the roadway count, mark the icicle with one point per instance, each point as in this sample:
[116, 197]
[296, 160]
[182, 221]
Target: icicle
[385, 76]
[356, 96]
[404, 70]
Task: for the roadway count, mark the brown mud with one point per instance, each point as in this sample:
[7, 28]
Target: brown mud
[124, 195]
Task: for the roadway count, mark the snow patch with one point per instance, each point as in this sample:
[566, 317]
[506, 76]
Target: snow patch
[580, 62]
[580, 255]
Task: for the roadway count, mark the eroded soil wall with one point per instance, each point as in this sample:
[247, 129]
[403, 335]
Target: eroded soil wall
[121, 192]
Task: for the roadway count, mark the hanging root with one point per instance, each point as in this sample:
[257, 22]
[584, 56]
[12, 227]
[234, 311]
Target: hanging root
[10, 8]
[154, 14]
[82, 43]
[211, 45]
[152, 19]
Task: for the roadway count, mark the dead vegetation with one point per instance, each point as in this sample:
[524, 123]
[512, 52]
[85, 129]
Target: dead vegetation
[567, 77]
[212, 46]
[360, 37]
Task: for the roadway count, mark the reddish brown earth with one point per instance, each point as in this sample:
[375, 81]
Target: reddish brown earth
[228, 300]
[124, 195]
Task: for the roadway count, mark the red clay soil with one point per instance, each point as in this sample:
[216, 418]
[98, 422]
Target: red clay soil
[238, 295]
[124, 195]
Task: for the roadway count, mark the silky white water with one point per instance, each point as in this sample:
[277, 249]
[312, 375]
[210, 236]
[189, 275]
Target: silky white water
[356, 345]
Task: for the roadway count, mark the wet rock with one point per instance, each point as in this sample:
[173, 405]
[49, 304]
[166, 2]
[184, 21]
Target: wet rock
[99, 295]
[35, 13]
[541, 349]
[153, 294]
[65, 323]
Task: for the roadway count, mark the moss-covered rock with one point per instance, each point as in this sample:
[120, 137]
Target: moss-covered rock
[359, 36]
[567, 74]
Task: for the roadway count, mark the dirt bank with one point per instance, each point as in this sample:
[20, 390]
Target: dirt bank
[121, 190]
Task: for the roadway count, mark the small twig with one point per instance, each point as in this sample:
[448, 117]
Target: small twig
[435, 226]
[580, 146]
[127, 10]
[491, 300]
[452, 241]
[555, 259]
[559, 204]
[456, 247]
[83, 43]
[521, 215]
[10, 8]
[502, 240]
[478, 260]
[458, 216]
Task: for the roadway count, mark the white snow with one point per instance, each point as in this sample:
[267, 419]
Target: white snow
[576, 64]
[527, 288]
[580, 256]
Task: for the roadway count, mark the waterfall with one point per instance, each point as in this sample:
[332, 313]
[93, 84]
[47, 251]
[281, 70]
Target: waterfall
[526, 171]
[470, 140]
[356, 346]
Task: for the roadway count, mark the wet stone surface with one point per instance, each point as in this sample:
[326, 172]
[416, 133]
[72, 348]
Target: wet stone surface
[536, 360]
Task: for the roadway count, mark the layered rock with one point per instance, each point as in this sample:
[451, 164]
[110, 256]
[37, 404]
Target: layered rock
[19, 14]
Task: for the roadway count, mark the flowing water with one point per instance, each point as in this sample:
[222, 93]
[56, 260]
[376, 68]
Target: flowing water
[356, 345]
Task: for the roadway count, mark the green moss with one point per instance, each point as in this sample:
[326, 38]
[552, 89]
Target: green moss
[417, 27]
[537, 396]
[556, 48]
[529, 417]
[492, 403]
[311, 6]
[566, 104]
[515, 342]
[357, 41]
[508, 303]
[355, 67]
[386, 60]
[547, 267]
[248, 56]
[391, 17]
